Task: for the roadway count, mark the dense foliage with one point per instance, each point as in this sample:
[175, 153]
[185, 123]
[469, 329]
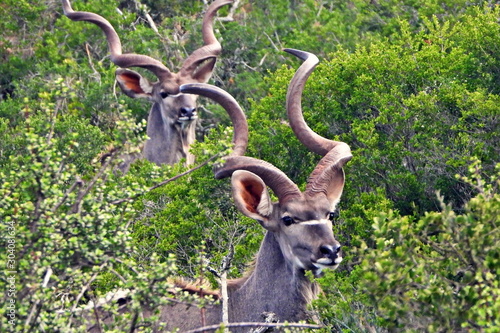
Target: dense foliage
[413, 88]
[436, 272]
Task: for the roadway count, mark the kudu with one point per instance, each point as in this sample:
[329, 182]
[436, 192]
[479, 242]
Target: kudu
[299, 235]
[172, 119]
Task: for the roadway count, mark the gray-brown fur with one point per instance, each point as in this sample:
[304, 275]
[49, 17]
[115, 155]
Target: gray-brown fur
[273, 286]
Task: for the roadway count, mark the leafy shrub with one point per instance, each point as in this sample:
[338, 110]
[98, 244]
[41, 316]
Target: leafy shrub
[62, 229]
[440, 272]
[412, 111]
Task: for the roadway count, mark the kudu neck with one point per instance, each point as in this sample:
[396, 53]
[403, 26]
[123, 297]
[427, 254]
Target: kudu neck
[274, 285]
[271, 262]
[169, 141]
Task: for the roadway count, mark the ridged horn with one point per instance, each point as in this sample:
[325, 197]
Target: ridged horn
[303, 132]
[277, 180]
[328, 175]
[212, 47]
[240, 136]
[115, 46]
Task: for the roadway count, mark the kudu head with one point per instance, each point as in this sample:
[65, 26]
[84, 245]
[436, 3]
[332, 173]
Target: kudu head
[300, 221]
[171, 107]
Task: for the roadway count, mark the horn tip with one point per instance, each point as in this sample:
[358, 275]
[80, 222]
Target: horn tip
[299, 53]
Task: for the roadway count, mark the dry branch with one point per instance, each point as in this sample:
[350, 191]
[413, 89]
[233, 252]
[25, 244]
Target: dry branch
[116, 202]
[233, 325]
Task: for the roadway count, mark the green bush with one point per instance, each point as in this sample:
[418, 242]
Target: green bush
[441, 271]
[413, 112]
[65, 226]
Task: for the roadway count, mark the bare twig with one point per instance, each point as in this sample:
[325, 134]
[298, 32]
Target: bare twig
[118, 275]
[151, 23]
[143, 8]
[116, 202]
[272, 43]
[91, 63]
[34, 308]
[226, 265]
[225, 298]
[216, 327]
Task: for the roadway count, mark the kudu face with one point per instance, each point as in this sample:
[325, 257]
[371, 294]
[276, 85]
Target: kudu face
[176, 109]
[306, 235]
[171, 127]
[302, 226]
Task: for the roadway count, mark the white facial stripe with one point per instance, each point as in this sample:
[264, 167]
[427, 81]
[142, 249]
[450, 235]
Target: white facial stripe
[314, 222]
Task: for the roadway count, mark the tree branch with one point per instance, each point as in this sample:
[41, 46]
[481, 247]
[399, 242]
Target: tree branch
[116, 202]
[226, 265]
[216, 327]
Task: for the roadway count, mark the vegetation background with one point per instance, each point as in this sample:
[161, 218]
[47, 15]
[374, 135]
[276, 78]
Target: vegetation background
[412, 86]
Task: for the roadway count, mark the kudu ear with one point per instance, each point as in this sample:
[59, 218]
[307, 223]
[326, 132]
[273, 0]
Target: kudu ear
[251, 197]
[134, 84]
[203, 71]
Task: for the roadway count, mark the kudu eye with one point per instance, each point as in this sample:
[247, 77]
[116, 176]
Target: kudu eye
[287, 220]
[333, 215]
[164, 94]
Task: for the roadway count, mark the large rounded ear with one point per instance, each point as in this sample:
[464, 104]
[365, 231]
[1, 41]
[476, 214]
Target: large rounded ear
[252, 198]
[133, 84]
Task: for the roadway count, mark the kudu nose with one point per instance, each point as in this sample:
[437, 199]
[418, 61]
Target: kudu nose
[331, 252]
[187, 112]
